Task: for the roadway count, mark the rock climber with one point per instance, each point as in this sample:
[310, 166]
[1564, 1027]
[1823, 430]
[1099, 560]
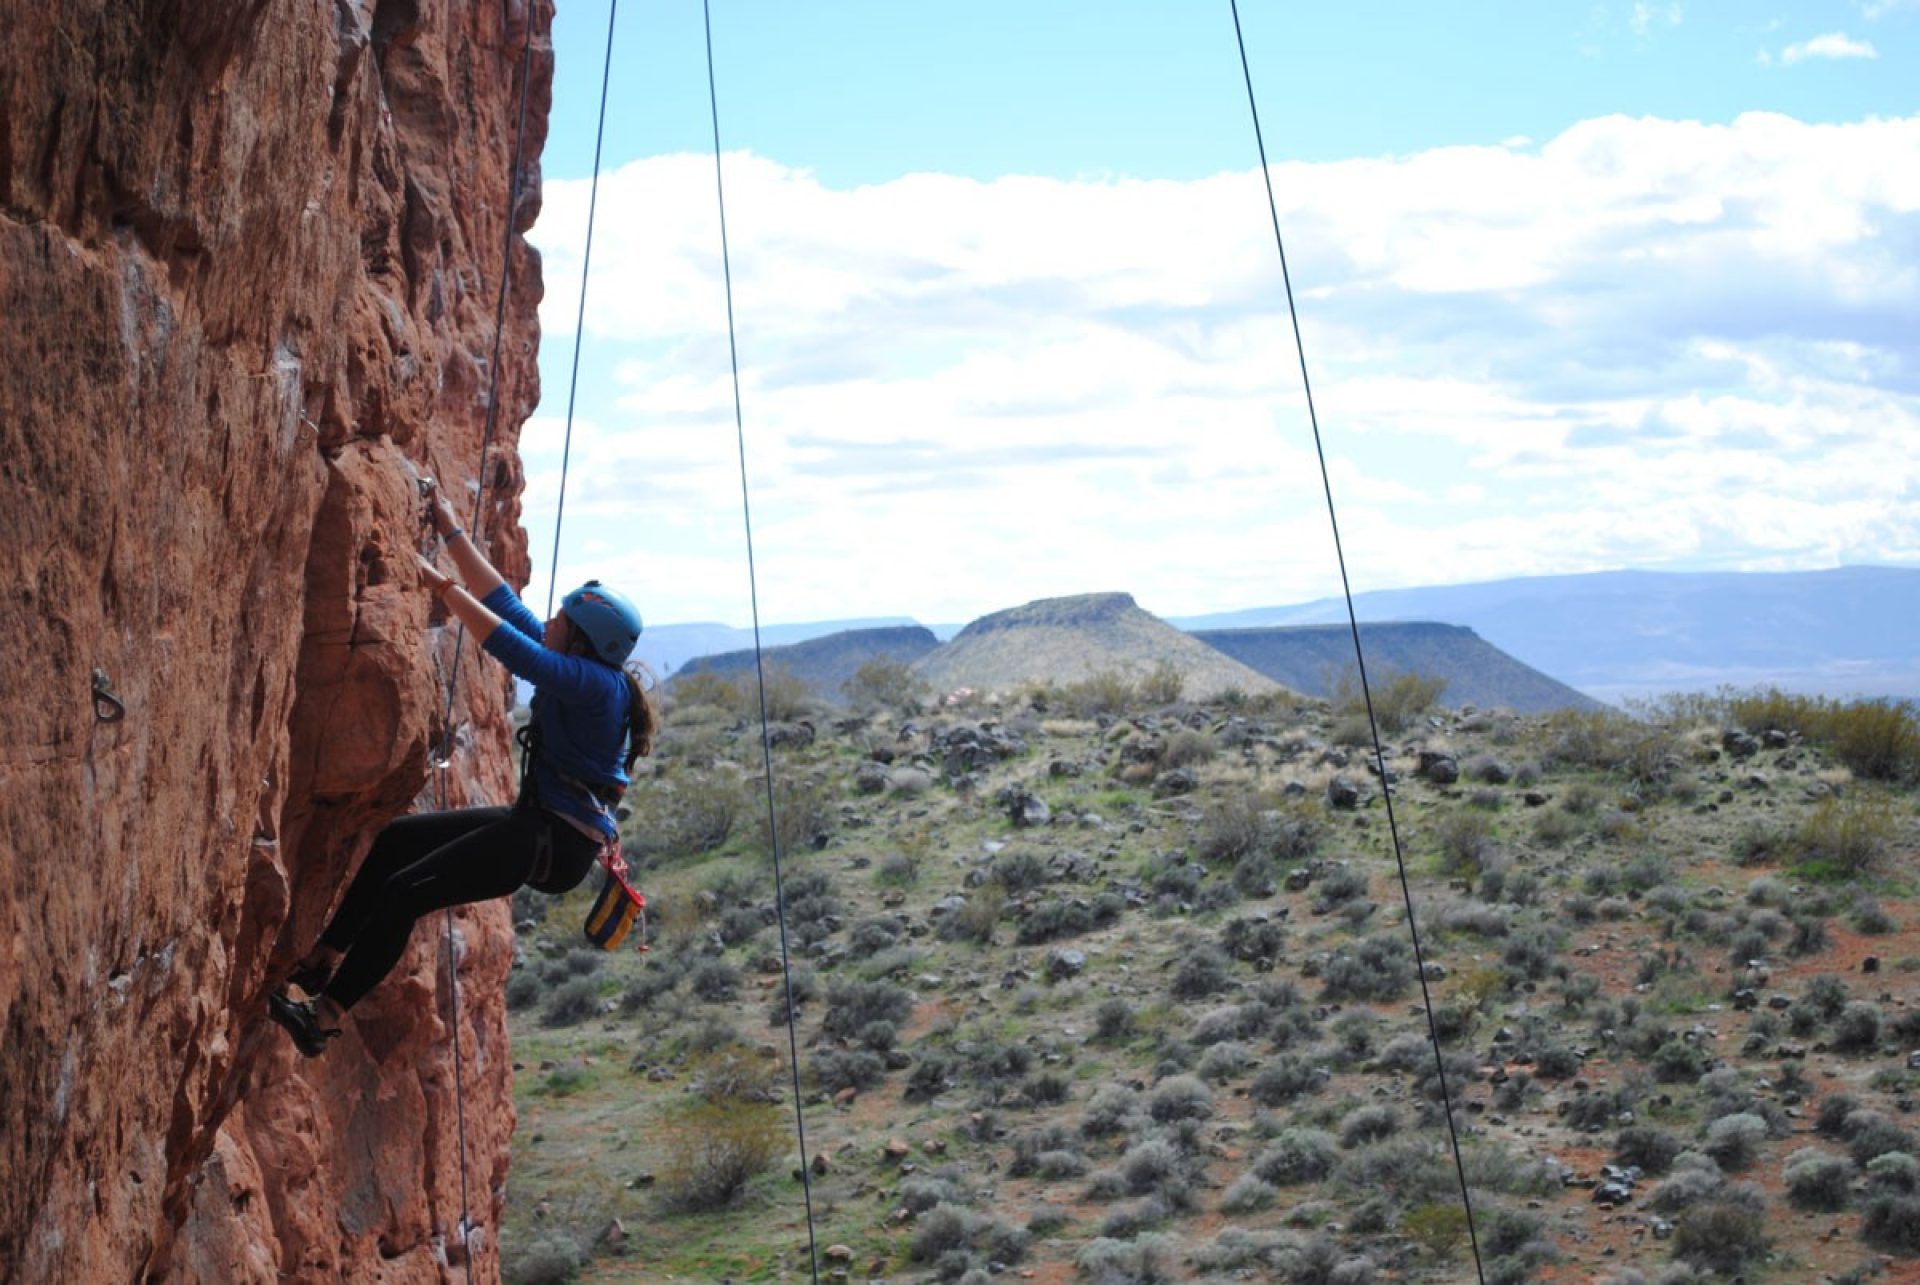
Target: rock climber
[591, 720]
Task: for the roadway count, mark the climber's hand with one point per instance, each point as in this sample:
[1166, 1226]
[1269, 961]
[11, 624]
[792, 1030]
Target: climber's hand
[441, 513]
[434, 579]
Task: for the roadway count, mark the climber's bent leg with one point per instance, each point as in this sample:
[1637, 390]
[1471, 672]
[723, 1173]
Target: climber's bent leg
[404, 841]
[478, 865]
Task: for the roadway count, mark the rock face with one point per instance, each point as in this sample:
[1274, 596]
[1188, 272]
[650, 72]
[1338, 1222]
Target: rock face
[250, 259]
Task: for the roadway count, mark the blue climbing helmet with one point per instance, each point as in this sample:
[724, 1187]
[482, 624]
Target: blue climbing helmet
[610, 622]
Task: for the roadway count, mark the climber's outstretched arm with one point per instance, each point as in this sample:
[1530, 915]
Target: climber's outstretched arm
[479, 621]
[475, 571]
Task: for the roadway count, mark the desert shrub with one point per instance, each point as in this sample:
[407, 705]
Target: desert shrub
[1809, 936]
[1180, 1097]
[1464, 841]
[1148, 1259]
[548, 1256]
[1734, 1140]
[1028, 1148]
[837, 1069]
[1226, 1060]
[1200, 973]
[715, 1149]
[804, 814]
[1845, 837]
[714, 980]
[1018, 872]
[1163, 684]
[1556, 1061]
[1826, 995]
[524, 989]
[1870, 919]
[1398, 698]
[1652, 1149]
[932, 1074]
[1374, 969]
[1597, 1109]
[1890, 1222]
[1049, 1088]
[1439, 1229]
[1858, 1028]
[1679, 1062]
[853, 1005]
[1069, 917]
[803, 986]
[1113, 1019]
[1188, 748]
[951, 1237]
[1894, 1171]
[1721, 1235]
[1111, 1109]
[1694, 1179]
[1341, 884]
[1871, 1134]
[1255, 940]
[1247, 1194]
[1878, 739]
[697, 813]
[882, 683]
[1505, 1232]
[1296, 1155]
[1530, 953]
[572, 1003]
[1368, 1124]
[1818, 1180]
[1285, 1079]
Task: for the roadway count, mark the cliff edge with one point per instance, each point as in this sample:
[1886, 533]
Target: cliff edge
[250, 258]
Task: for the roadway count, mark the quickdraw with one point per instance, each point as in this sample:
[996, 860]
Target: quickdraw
[107, 708]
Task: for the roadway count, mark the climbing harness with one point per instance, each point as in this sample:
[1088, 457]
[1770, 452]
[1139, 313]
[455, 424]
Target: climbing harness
[620, 906]
[107, 708]
[1353, 622]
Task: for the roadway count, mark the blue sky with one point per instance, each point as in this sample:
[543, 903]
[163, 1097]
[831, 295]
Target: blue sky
[1583, 286]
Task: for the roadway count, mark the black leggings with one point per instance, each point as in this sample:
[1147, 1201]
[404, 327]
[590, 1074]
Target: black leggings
[420, 864]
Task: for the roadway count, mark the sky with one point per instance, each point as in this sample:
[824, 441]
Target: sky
[1581, 287]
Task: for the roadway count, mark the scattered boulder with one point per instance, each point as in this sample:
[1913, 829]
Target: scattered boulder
[1342, 794]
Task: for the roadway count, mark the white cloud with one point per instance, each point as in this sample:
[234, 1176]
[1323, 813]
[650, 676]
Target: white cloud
[1640, 341]
[1834, 44]
[1646, 17]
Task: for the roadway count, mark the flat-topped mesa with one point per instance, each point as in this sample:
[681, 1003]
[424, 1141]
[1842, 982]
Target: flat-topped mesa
[1079, 610]
[1067, 640]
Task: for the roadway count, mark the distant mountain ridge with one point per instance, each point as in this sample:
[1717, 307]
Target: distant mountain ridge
[826, 663]
[1312, 658]
[1841, 632]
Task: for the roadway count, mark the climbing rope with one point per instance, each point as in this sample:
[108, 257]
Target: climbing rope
[1360, 659]
[580, 313]
[759, 663]
[477, 524]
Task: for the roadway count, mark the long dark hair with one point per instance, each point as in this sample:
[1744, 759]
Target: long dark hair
[643, 718]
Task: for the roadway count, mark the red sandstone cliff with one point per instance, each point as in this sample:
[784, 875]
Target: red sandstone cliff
[249, 260]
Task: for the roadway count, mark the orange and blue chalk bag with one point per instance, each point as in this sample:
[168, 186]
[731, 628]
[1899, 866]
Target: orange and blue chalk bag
[618, 907]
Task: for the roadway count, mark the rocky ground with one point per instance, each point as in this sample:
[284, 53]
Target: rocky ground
[1096, 987]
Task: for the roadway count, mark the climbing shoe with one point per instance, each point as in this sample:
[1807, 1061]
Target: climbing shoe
[301, 1022]
[311, 979]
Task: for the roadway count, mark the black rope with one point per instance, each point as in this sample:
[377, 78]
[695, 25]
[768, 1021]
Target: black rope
[759, 662]
[460, 638]
[1360, 659]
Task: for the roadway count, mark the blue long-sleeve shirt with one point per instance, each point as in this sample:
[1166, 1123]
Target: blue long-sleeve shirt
[579, 711]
